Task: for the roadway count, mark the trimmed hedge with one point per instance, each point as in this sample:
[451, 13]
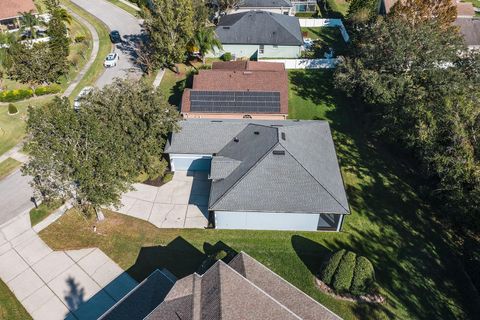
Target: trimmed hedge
[43, 90]
[363, 277]
[329, 268]
[12, 109]
[22, 94]
[346, 272]
[342, 279]
[15, 95]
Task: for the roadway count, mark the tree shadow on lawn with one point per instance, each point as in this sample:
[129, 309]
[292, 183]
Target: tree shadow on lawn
[179, 257]
[390, 224]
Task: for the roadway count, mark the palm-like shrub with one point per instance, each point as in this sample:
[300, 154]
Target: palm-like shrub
[205, 40]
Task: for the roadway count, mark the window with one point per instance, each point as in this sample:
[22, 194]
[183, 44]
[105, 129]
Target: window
[261, 49]
[275, 46]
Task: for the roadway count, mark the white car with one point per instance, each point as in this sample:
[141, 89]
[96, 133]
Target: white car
[78, 100]
[111, 60]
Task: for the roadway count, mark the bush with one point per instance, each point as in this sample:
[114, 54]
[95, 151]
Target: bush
[79, 39]
[363, 277]
[227, 56]
[329, 268]
[12, 109]
[167, 177]
[15, 95]
[342, 279]
[43, 90]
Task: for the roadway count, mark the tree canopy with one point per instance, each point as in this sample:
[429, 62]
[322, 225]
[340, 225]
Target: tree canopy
[95, 154]
[443, 12]
[420, 86]
[170, 25]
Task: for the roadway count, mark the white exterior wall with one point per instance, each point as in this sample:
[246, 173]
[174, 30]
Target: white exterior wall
[247, 51]
[281, 52]
[266, 221]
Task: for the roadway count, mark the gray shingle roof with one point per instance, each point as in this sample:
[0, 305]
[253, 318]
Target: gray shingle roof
[143, 298]
[265, 4]
[259, 27]
[305, 179]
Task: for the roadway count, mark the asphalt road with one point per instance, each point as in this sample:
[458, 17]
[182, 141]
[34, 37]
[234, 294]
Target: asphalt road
[130, 29]
[15, 195]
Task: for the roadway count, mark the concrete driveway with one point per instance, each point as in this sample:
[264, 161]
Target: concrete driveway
[15, 195]
[181, 203]
[130, 29]
[74, 284]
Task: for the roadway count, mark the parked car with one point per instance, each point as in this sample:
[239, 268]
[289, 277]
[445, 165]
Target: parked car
[78, 100]
[111, 60]
[115, 37]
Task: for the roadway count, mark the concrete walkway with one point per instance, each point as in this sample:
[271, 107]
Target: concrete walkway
[74, 284]
[180, 203]
[93, 55]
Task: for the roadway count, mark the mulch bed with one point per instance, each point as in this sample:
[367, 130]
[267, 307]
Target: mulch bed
[369, 298]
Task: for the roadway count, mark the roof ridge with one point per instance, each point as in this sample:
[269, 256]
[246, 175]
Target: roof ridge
[250, 169]
[325, 188]
[274, 17]
[259, 289]
[290, 284]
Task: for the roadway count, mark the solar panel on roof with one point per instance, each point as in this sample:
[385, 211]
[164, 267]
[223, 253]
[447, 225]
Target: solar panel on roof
[235, 101]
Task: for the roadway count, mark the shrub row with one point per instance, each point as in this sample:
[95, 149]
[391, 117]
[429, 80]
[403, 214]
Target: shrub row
[15, 95]
[22, 94]
[363, 277]
[345, 272]
[342, 279]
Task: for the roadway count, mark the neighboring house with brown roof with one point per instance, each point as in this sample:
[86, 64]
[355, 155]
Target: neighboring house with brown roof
[11, 10]
[236, 90]
[243, 289]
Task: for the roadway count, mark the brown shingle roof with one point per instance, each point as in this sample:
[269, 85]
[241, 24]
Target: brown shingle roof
[13, 8]
[242, 290]
[241, 76]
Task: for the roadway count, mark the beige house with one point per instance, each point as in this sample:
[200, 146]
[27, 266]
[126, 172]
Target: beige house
[11, 11]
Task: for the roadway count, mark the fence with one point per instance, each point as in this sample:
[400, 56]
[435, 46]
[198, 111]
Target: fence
[306, 63]
[316, 23]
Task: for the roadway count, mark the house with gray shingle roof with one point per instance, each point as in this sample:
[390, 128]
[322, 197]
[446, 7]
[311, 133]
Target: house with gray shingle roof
[240, 290]
[259, 34]
[265, 175]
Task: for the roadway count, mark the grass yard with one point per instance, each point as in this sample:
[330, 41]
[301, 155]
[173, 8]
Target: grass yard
[416, 266]
[105, 47]
[125, 7]
[172, 84]
[335, 9]
[45, 209]
[8, 166]
[327, 37]
[10, 307]
[12, 127]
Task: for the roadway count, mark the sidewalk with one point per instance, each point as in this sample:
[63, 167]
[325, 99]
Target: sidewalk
[73, 284]
[93, 55]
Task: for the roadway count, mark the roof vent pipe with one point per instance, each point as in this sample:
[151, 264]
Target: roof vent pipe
[236, 139]
[256, 132]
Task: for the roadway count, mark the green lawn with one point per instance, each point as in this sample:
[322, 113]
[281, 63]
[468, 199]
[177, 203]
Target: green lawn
[123, 6]
[335, 9]
[45, 209]
[11, 308]
[105, 47]
[8, 166]
[12, 127]
[327, 37]
[416, 266]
